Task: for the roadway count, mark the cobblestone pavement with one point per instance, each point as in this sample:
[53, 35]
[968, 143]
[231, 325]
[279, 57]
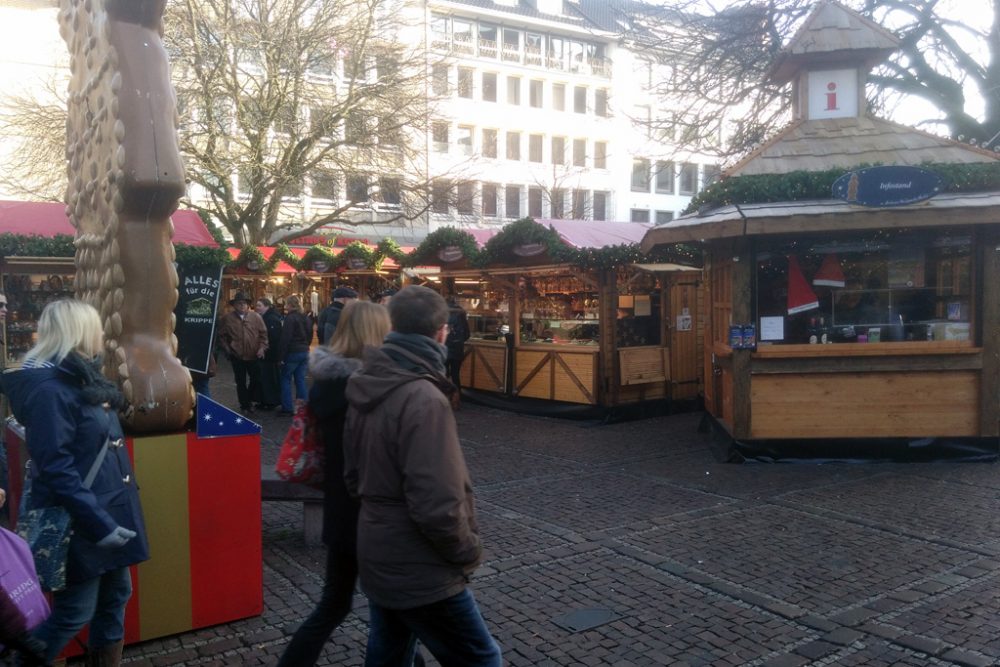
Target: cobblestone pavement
[698, 562]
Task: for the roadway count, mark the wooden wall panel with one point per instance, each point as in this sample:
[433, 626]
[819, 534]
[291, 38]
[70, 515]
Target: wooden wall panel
[686, 367]
[575, 378]
[484, 367]
[643, 392]
[540, 384]
[860, 405]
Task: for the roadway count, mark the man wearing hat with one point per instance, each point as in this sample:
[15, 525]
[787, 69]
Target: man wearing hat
[331, 314]
[243, 337]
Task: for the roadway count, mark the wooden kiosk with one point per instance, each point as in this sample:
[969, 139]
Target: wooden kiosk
[548, 324]
[868, 311]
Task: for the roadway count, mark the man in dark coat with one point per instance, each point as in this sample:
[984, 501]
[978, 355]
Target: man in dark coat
[331, 314]
[270, 389]
[418, 539]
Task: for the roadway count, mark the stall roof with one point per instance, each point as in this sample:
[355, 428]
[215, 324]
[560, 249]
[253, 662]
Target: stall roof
[581, 233]
[825, 215]
[49, 219]
[284, 267]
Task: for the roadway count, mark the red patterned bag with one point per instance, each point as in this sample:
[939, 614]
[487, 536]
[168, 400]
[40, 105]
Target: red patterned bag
[301, 456]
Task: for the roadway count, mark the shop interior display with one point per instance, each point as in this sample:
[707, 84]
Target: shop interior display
[27, 294]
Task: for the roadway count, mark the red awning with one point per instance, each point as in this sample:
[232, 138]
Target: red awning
[35, 218]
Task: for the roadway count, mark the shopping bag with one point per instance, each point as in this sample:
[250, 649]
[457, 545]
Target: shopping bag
[22, 604]
[301, 456]
[47, 531]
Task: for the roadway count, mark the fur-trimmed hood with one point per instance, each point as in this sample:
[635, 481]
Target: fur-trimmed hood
[325, 364]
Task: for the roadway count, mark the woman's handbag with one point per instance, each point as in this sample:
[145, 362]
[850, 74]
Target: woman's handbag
[301, 456]
[22, 604]
[47, 530]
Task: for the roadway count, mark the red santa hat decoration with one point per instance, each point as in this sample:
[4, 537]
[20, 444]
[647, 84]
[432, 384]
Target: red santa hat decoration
[800, 296]
[830, 274]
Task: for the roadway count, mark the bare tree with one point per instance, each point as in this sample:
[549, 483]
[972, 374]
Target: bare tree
[711, 66]
[283, 96]
[34, 124]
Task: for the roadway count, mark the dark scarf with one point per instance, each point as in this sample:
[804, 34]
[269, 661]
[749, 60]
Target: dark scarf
[433, 353]
[96, 388]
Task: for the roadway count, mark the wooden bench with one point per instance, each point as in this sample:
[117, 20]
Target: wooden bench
[273, 488]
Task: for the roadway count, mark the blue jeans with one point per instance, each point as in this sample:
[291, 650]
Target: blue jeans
[295, 363]
[453, 631]
[99, 601]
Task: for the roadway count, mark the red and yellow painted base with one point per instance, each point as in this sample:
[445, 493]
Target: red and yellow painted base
[201, 500]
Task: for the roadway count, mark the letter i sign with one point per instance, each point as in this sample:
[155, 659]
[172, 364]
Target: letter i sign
[831, 97]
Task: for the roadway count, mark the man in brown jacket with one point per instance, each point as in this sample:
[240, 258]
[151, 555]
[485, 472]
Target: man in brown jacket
[418, 540]
[243, 337]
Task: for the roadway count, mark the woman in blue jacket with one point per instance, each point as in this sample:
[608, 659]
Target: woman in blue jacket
[69, 411]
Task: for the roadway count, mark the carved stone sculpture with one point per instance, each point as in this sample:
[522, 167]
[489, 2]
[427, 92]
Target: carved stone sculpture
[125, 180]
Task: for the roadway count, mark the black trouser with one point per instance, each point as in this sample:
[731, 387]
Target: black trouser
[270, 387]
[247, 374]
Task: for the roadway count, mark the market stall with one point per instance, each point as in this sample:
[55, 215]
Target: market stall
[571, 313]
[861, 311]
[37, 265]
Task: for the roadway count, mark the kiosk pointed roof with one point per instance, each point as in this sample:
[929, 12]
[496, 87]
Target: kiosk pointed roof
[833, 34]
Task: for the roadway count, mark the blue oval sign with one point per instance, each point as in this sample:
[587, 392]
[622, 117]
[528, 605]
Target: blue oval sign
[887, 186]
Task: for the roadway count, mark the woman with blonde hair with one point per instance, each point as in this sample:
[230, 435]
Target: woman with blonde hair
[69, 412]
[362, 324]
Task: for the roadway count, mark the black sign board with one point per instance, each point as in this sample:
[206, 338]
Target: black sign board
[197, 303]
[887, 186]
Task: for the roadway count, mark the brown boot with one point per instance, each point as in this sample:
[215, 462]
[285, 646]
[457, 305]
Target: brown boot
[105, 656]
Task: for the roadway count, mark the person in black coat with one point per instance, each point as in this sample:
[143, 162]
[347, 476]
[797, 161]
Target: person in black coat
[69, 412]
[361, 324]
[458, 333]
[270, 388]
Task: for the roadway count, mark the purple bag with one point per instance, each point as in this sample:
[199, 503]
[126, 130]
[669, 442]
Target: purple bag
[22, 603]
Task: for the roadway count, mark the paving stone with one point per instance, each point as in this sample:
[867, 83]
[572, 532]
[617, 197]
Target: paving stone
[843, 636]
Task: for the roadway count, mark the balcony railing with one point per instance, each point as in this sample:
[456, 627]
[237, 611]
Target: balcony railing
[513, 53]
[488, 48]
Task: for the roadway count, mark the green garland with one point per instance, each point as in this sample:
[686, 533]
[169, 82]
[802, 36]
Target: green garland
[387, 248]
[426, 254]
[250, 254]
[356, 250]
[500, 248]
[803, 185]
[318, 253]
[194, 257]
[282, 253]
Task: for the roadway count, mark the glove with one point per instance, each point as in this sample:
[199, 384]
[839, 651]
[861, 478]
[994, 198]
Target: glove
[116, 538]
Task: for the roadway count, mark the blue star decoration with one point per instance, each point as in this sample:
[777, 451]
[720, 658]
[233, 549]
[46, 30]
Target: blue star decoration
[217, 421]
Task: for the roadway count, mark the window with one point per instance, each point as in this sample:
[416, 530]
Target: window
[579, 152]
[689, 178]
[556, 201]
[439, 135]
[388, 131]
[439, 81]
[665, 177]
[556, 53]
[600, 211]
[534, 202]
[465, 82]
[535, 93]
[559, 97]
[325, 185]
[884, 284]
[712, 173]
[558, 150]
[534, 148]
[466, 198]
[579, 211]
[461, 31]
[533, 48]
[640, 175]
[389, 191]
[600, 155]
[354, 127]
[490, 200]
[357, 188]
[513, 145]
[440, 192]
[489, 87]
[580, 99]
[321, 121]
[489, 143]
[464, 139]
[513, 90]
[511, 45]
[663, 217]
[601, 102]
[487, 40]
[286, 121]
[639, 215]
[512, 201]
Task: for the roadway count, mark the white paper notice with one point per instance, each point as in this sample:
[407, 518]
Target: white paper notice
[772, 328]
